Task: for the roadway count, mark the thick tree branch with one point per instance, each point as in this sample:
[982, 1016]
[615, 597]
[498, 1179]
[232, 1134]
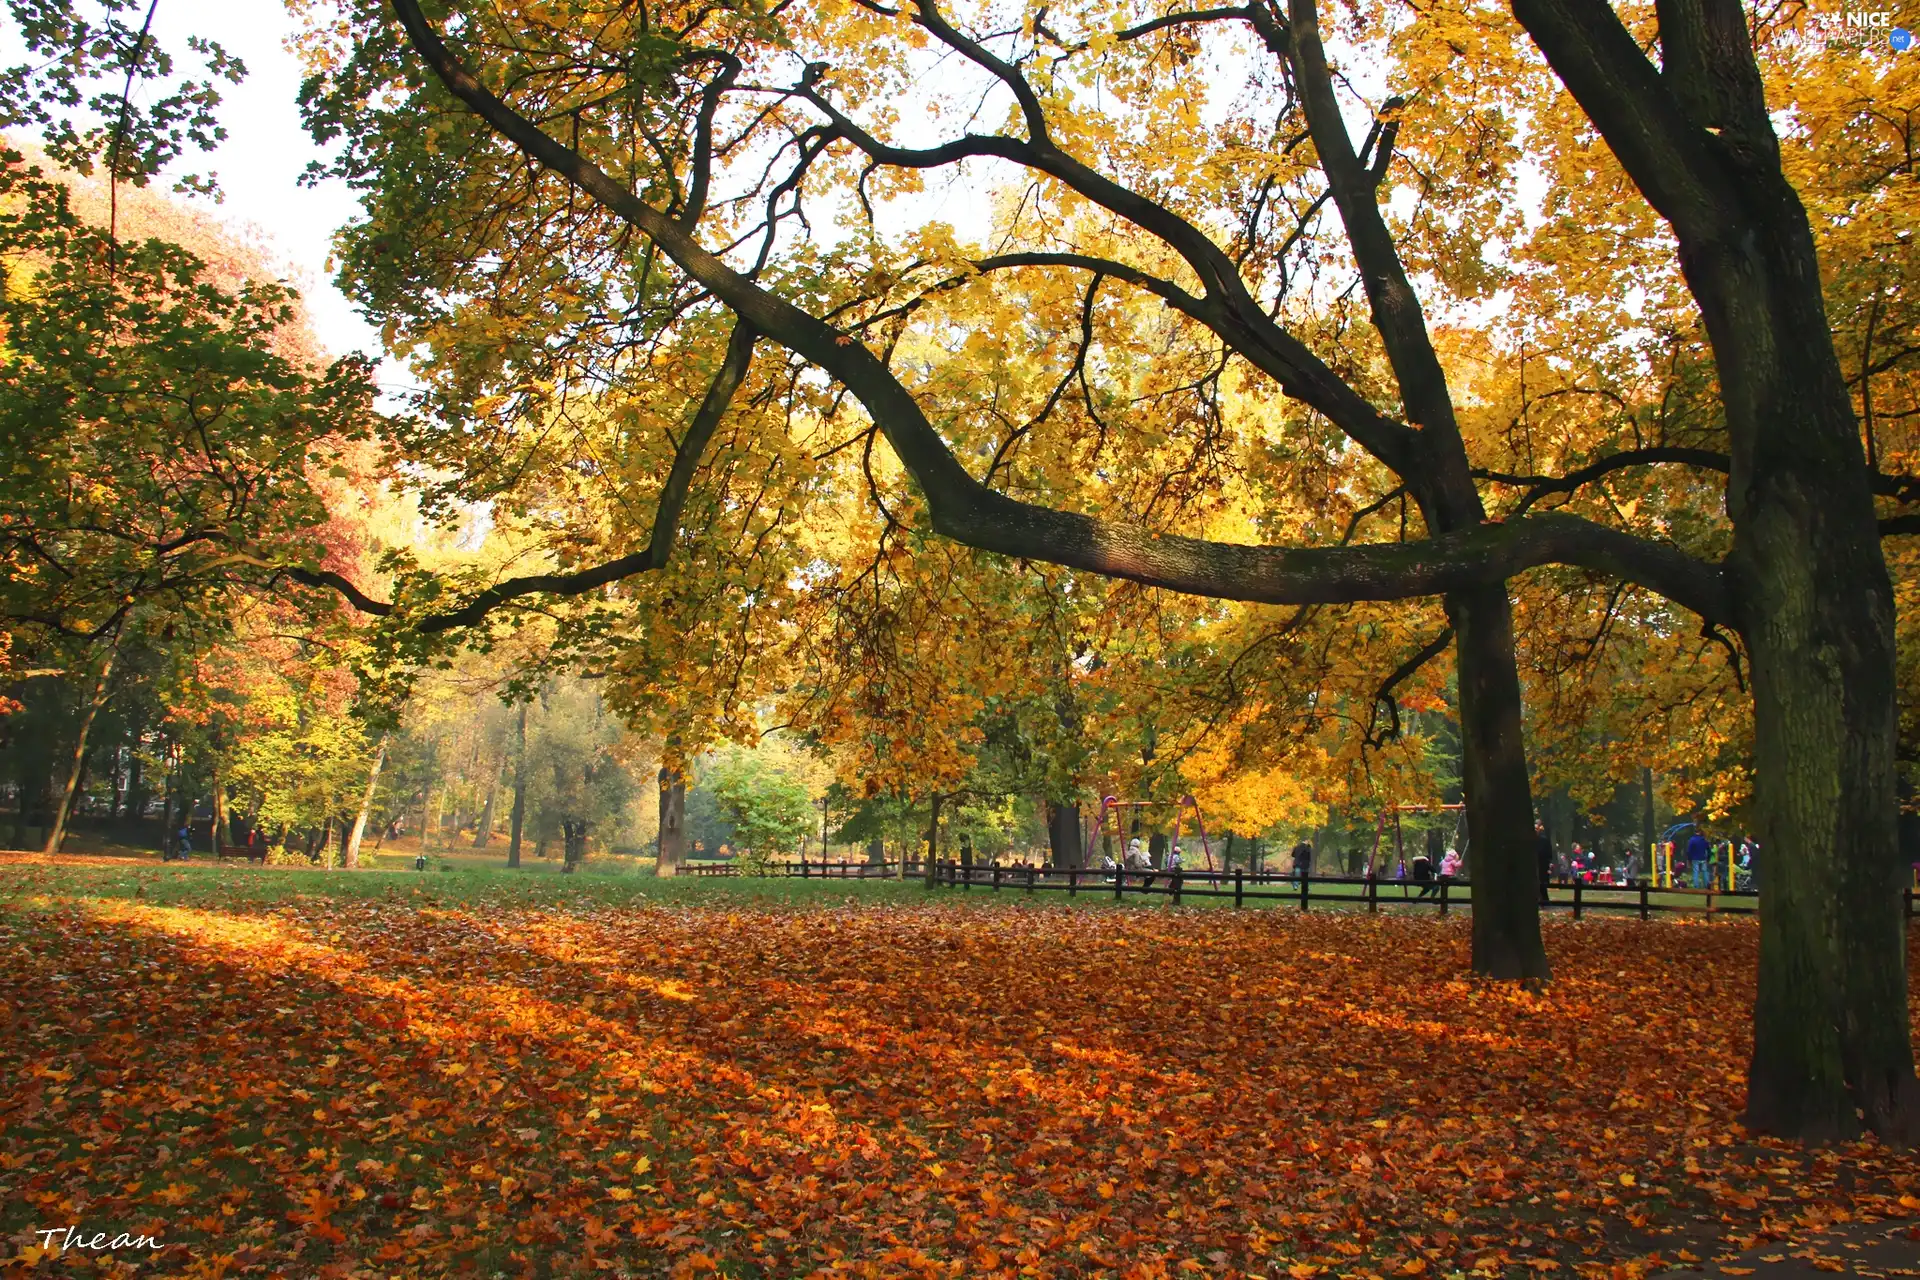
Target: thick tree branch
[1448, 497]
[1227, 308]
[702, 159]
[1183, 19]
[963, 509]
[331, 581]
[1670, 159]
[930, 17]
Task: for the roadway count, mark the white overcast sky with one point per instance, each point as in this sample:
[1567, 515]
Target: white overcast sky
[266, 150]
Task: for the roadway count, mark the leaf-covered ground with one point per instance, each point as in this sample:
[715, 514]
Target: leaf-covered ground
[400, 1084]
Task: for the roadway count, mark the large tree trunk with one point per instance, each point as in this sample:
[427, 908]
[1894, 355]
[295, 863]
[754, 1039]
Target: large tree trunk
[518, 821]
[1063, 833]
[135, 806]
[1832, 1042]
[96, 698]
[1831, 1035]
[217, 837]
[928, 874]
[483, 836]
[1648, 835]
[673, 822]
[1506, 881]
[119, 780]
[352, 858]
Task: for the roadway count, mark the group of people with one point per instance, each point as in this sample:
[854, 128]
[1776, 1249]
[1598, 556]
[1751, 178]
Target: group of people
[1421, 869]
[1700, 863]
[1711, 863]
[1137, 857]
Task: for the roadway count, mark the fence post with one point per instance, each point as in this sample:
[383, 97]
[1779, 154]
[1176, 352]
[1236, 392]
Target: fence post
[1240, 888]
[1029, 879]
[1073, 882]
[1576, 897]
[1119, 882]
[1443, 894]
[1643, 899]
[1176, 888]
[1373, 895]
[1306, 878]
[996, 877]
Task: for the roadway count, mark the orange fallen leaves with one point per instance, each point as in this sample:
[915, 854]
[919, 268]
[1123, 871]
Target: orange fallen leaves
[932, 1091]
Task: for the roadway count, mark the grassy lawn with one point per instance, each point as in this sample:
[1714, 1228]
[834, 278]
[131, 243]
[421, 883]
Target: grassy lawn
[310, 1073]
[467, 877]
[203, 882]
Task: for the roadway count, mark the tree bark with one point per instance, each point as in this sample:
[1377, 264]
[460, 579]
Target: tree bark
[933, 842]
[1063, 833]
[96, 698]
[217, 837]
[1808, 580]
[1498, 793]
[483, 834]
[1647, 835]
[135, 800]
[1832, 1041]
[119, 780]
[517, 822]
[673, 822]
[352, 857]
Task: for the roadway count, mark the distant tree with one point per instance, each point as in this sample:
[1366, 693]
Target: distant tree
[769, 810]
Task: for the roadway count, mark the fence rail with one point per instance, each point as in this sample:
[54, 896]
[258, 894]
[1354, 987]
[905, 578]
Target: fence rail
[804, 870]
[1244, 887]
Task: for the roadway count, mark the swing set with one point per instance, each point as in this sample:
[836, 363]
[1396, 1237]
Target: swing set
[1399, 840]
[1180, 808]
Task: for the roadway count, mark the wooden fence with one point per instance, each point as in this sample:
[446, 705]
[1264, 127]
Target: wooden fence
[1243, 887]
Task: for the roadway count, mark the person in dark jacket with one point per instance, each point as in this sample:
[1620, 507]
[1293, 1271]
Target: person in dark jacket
[1543, 854]
[1302, 860]
[1700, 858]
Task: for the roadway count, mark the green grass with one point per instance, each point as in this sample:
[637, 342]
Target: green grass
[480, 881]
[207, 884]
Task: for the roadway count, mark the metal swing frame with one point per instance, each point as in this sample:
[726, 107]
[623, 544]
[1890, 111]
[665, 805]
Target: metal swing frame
[1180, 808]
[1399, 836]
